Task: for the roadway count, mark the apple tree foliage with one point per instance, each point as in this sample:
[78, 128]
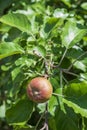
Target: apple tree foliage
[43, 38]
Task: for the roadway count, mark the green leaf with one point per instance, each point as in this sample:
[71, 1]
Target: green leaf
[75, 52]
[4, 5]
[53, 102]
[50, 23]
[64, 121]
[67, 2]
[54, 82]
[84, 5]
[52, 123]
[2, 110]
[76, 89]
[10, 48]
[20, 112]
[78, 105]
[39, 51]
[72, 33]
[76, 94]
[4, 27]
[24, 127]
[19, 21]
[22, 61]
[80, 65]
[15, 72]
[60, 13]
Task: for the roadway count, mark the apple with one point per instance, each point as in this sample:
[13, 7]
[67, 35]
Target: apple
[39, 90]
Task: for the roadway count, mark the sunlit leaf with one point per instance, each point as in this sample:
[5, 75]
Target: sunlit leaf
[50, 23]
[84, 5]
[80, 65]
[2, 110]
[60, 13]
[72, 33]
[10, 48]
[19, 21]
[39, 51]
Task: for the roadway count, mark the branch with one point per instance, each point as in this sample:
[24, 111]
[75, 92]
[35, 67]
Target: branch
[65, 80]
[61, 84]
[46, 119]
[71, 73]
[39, 121]
[62, 57]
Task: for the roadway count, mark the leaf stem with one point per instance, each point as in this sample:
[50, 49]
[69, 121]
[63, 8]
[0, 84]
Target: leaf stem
[55, 94]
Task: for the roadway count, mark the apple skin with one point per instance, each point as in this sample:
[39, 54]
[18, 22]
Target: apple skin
[39, 90]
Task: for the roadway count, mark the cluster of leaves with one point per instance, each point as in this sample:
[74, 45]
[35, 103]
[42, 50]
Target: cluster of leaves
[41, 38]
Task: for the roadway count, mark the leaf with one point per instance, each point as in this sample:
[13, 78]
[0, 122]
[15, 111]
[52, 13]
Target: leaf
[10, 48]
[84, 5]
[60, 13]
[67, 2]
[50, 23]
[72, 33]
[52, 123]
[20, 112]
[4, 5]
[22, 61]
[19, 21]
[54, 82]
[4, 27]
[80, 65]
[64, 121]
[75, 52]
[2, 110]
[39, 51]
[78, 105]
[76, 94]
[15, 72]
[24, 127]
[52, 105]
[76, 89]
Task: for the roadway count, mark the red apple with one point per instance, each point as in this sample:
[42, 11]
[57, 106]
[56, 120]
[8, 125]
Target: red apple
[39, 90]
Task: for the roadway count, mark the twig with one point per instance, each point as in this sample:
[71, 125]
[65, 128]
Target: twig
[46, 119]
[39, 121]
[65, 80]
[71, 73]
[43, 127]
[76, 60]
[62, 57]
[61, 84]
